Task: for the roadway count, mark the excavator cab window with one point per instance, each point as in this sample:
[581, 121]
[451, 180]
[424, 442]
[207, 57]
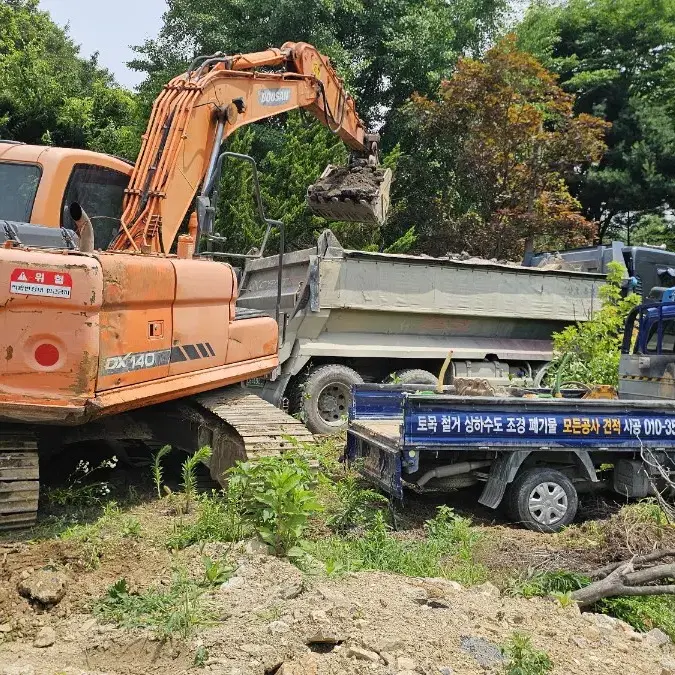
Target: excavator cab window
[18, 187]
[99, 191]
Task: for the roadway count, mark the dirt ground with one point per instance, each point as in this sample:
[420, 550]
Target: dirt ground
[270, 617]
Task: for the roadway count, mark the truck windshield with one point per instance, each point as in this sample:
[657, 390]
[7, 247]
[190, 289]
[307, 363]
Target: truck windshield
[18, 186]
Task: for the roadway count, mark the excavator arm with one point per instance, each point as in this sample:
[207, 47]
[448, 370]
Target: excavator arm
[198, 110]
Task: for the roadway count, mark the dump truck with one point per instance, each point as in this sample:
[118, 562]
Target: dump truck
[533, 454]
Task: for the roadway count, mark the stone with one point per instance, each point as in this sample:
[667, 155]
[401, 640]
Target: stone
[580, 642]
[446, 670]
[5, 628]
[319, 615]
[592, 633]
[657, 637]
[667, 666]
[44, 586]
[46, 637]
[254, 546]
[87, 625]
[278, 627]
[233, 582]
[390, 645]
[483, 651]
[605, 622]
[325, 636]
[363, 654]
[488, 589]
[406, 663]
[306, 665]
[291, 590]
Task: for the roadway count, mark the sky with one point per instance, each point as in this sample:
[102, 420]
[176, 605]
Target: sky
[109, 27]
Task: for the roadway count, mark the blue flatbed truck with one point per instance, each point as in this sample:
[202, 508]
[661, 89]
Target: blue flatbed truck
[533, 455]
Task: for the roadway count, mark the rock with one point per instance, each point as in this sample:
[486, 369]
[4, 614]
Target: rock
[46, 637]
[363, 654]
[483, 651]
[446, 670]
[233, 582]
[667, 667]
[291, 590]
[580, 642]
[254, 546]
[592, 633]
[278, 627]
[605, 622]
[390, 645]
[87, 625]
[325, 636]
[406, 663]
[306, 665]
[488, 589]
[657, 637]
[5, 628]
[44, 586]
[252, 649]
[319, 615]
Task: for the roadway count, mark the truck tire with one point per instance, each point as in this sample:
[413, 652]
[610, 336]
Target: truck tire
[412, 376]
[326, 397]
[543, 500]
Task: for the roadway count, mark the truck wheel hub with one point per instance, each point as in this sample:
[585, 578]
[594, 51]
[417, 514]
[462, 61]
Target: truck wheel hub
[548, 503]
[334, 403]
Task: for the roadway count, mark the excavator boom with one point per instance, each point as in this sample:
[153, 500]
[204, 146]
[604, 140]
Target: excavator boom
[199, 109]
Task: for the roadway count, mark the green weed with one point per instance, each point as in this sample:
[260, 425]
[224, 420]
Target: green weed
[546, 583]
[201, 657]
[158, 470]
[643, 613]
[522, 658]
[216, 572]
[277, 499]
[447, 551]
[177, 610]
[189, 473]
[80, 490]
[354, 504]
[220, 518]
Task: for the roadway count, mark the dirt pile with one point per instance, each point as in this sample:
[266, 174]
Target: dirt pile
[271, 618]
[361, 182]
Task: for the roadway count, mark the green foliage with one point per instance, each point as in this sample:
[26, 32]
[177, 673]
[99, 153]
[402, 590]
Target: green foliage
[653, 230]
[48, 93]
[176, 610]
[201, 656]
[447, 551]
[81, 489]
[589, 352]
[643, 613]
[216, 572]
[523, 658]
[277, 498]
[189, 473]
[484, 161]
[557, 584]
[355, 504]
[219, 518]
[617, 57]
[157, 470]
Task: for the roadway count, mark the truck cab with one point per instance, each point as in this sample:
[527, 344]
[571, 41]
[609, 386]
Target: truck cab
[38, 183]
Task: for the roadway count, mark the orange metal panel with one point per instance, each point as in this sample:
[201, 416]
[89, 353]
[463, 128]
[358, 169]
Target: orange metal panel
[136, 320]
[49, 326]
[252, 339]
[201, 314]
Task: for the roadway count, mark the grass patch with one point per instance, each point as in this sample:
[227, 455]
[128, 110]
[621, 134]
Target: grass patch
[446, 550]
[534, 584]
[522, 658]
[177, 610]
[643, 613]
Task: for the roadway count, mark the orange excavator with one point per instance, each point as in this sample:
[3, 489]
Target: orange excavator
[107, 334]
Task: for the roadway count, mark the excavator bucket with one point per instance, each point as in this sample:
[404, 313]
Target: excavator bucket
[358, 193]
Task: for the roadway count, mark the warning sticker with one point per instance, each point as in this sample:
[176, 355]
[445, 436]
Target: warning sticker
[41, 282]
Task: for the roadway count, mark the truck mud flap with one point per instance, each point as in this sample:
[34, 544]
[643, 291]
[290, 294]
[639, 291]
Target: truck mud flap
[377, 463]
[502, 472]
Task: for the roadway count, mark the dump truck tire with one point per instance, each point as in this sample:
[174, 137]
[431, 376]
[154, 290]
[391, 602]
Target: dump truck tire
[412, 376]
[326, 396]
[543, 500]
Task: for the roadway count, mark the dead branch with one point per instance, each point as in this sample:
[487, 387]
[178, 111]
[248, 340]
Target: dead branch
[638, 561]
[624, 580]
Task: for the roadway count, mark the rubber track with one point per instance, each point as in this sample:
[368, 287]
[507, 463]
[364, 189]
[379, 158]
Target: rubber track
[265, 429]
[19, 480]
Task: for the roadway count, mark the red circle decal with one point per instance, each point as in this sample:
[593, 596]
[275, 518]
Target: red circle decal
[46, 355]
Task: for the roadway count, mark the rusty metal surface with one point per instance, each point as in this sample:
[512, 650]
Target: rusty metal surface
[19, 479]
[265, 429]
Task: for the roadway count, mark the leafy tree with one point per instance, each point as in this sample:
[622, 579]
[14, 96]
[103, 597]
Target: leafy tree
[483, 169]
[386, 49]
[590, 352]
[617, 57]
[49, 94]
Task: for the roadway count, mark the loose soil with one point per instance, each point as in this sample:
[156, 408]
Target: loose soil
[360, 182]
[272, 618]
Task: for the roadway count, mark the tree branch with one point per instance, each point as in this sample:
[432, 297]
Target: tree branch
[639, 560]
